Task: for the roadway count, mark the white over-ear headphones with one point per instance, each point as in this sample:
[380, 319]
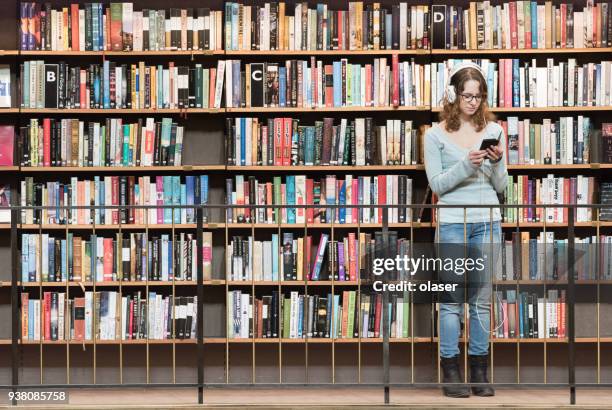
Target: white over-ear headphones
[451, 93]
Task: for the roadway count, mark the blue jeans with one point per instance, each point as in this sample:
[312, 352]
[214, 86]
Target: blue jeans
[471, 240]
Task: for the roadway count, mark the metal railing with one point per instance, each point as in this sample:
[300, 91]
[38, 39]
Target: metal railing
[201, 226]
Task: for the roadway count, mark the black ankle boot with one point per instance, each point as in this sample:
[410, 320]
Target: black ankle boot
[450, 371]
[478, 374]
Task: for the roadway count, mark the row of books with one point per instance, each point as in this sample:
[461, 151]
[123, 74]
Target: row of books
[283, 141]
[118, 27]
[545, 257]
[526, 190]
[294, 257]
[515, 84]
[481, 25]
[319, 316]
[302, 83]
[115, 191]
[126, 86]
[123, 257]
[566, 140]
[529, 315]
[70, 142]
[521, 24]
[298, 189]
[361, 27]
[108, 315]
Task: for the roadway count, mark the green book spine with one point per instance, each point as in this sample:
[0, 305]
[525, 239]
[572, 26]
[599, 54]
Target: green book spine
[406, 315]
[205, 87]
[277, 197]
[199, 86]
[351, 314]
[286, 317]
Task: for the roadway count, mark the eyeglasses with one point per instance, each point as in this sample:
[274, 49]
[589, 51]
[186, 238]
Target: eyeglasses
[469, 97]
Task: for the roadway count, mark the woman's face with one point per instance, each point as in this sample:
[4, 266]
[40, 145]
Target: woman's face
[470, 98]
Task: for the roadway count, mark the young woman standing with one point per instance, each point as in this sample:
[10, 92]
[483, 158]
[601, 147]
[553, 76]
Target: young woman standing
[459, 173]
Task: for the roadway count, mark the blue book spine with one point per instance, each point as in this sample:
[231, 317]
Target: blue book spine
[102, 191]
[337, 83]
[101, 26]
[534, 24]
[32, 269]
[204, 189]
[183, 201]
[96, 90]
[190, 191]
[243, 139]
[342, 201]
[176, 198]
[301, 316]
[309, 145]
[25, 263]
[106, 68]
[235, 10]
[167, 181]
[282, 86]
[316, 269]
[25, 84]
[51, 247]
[275, 251]
[30, 319]
[389, 24]
[290, 186]
[160, 80]
[401, 87]
[516, 102]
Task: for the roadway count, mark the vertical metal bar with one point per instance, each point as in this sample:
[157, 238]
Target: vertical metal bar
[385, 307]
[200, 308]
[15, 334]
[570, 306]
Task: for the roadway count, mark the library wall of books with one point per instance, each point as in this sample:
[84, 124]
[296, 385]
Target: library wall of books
[189, 103]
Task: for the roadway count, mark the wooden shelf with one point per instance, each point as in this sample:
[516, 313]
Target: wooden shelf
[542, 109]
[8, 168]
[168, 53]
[325, 109]
[174, 168]
[317, 340]
[325, 52]
[118, 111]
[528, 51]
[326, 168]
[9, 110]
[108, 227]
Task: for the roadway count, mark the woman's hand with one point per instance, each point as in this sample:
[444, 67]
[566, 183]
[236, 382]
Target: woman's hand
[477, 157]
[494, 153]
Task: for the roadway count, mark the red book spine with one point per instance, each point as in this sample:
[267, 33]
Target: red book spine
[353, 257]
[377, 315]
[563, 8]
[84, 101]
[278, 141]
[287, 137]
[395, 68]
[513, 28]
[368, 85]
[46, 142]
[131, 198]
[108, 259]
[508, 85]
[355, 196]
[47, 315]
[211, 93]
[340, 21]
[501, 83]
[74, 20]
[115, 198]
[314, 81]
[382, 195]
[329, 86]
[131, 320]
[309, 201]
[566, 197]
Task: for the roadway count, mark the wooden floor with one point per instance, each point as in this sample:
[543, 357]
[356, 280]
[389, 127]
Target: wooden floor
[324, 398]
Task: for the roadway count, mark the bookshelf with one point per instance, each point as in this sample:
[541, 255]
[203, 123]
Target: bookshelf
[279, 359]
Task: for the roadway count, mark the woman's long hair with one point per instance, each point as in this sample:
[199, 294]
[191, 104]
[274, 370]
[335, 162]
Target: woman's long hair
[451, 112]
